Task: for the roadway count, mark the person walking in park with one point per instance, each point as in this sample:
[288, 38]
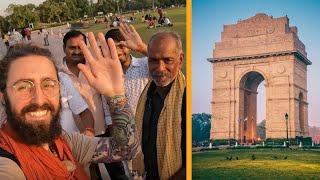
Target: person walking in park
[45, 35]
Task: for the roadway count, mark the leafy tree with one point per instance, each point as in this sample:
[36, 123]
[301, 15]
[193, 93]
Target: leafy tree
[50, 11]
[201, 124]
[65, 10]
[82, 7]
[106, 6]
[4, 24]
[21, 15]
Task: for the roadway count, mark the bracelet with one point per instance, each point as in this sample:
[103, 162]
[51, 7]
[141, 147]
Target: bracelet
[117, 102]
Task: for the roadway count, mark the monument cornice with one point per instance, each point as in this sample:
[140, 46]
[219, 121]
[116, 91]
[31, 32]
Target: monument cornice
[263, 55]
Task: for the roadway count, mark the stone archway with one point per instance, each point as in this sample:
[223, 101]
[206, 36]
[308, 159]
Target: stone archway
[259, 48]
[248, 106]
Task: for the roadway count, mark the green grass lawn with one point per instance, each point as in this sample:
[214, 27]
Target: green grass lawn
[268, 164]
[176, 15]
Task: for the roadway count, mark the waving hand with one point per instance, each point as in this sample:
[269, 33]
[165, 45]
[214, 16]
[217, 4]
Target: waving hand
[105, 73]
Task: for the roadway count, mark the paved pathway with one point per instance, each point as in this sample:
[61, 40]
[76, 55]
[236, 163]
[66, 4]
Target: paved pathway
[55, 41]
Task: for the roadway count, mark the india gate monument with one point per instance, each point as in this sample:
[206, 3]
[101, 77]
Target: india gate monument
[260, 48]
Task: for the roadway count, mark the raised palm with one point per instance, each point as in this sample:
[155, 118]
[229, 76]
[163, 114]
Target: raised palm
[104, 70]
[132, 39]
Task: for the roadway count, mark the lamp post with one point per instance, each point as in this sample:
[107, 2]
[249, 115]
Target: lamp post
[240, 127]
[118, 7]
[287, 116]
[129, 2]
[252, 140]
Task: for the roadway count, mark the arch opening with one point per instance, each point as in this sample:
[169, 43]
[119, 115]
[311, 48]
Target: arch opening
[250, 85]
[301, 118]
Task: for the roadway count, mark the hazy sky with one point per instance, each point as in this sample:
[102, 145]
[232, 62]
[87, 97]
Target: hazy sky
[5, 3]
[208, 18]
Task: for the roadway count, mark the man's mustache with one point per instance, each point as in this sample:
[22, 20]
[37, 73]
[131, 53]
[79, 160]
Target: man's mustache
[160, 74]
[78, 55]
[35, 107]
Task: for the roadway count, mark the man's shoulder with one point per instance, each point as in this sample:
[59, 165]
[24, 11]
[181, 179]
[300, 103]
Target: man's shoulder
[65, 79]
[62, 74]
[139, 68]
[140, 61]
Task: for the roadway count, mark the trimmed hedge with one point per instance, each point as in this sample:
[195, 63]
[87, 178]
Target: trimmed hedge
[306, 141]
[219, 142]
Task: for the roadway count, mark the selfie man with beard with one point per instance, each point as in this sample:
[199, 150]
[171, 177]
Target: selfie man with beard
[32, 144]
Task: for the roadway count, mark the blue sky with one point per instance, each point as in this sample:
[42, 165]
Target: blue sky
[208, 18]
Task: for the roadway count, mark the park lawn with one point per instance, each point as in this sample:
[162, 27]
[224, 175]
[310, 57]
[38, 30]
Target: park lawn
[176, 15]
[268, 164]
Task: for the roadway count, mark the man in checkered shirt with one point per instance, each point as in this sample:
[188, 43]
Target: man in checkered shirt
[135, 69]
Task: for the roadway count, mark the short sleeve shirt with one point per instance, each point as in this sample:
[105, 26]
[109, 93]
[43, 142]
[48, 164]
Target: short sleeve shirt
[72, 103]
[67, 90]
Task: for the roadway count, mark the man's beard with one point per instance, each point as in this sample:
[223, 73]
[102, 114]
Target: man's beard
[78, 58]
[156, 76]
[34, 133]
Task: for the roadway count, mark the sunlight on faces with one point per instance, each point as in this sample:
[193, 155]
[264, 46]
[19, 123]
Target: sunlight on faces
[36, 114]
[164, 60]
[73, 52]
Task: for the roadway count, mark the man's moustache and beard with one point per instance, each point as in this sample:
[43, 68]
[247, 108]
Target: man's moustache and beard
[161, 78]
[34, 133]
[78, 58]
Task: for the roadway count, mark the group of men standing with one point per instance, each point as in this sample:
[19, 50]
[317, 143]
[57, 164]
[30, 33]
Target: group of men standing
[135, 107]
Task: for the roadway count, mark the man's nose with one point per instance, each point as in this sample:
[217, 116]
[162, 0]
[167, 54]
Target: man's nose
[77, 50]
[161, 66]
[38, 96]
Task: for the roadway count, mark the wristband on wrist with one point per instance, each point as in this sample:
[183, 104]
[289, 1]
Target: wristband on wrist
[117, 102]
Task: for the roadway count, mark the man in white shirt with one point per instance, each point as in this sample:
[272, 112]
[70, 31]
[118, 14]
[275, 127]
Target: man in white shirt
[45, 35]
[74, 109]
[73, 57]
[167, 22]
[96, 103]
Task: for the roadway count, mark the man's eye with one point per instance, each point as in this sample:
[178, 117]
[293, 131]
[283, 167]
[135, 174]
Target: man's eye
[23, 87]
[48, 84]
[168, 61]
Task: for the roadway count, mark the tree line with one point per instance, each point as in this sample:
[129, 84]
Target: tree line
[57, 11]
[201, 125]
